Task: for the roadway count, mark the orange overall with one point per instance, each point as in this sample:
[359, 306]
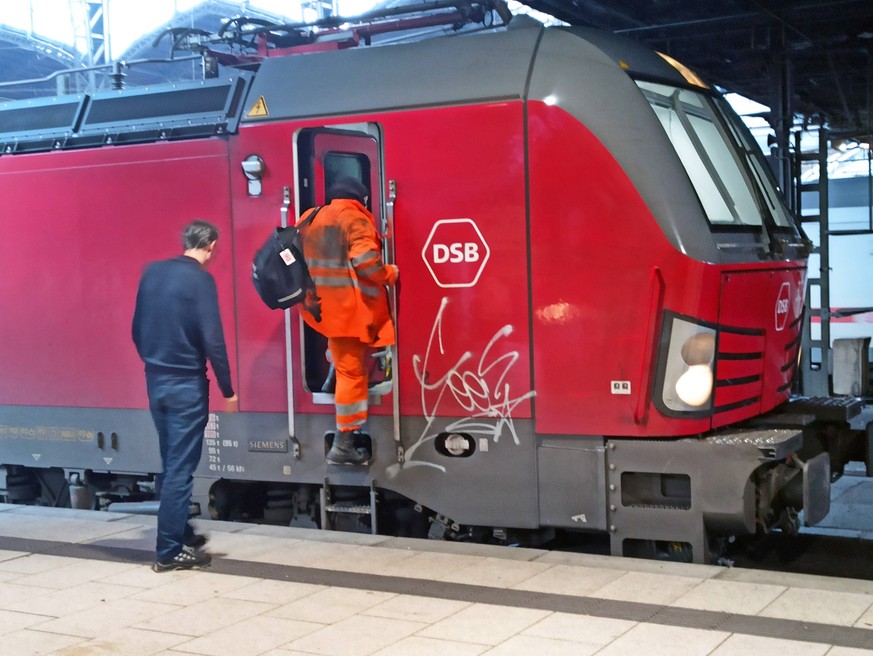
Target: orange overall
[343, 251]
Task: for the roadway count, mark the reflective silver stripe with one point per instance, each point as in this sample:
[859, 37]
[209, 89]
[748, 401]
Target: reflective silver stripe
[327, 264]
[366, 290]
[290, 296]
[324, 281]
[364, 257]
[369, 271]
[351, 408]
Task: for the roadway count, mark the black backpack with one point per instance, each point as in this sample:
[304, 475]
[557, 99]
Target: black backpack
[280, 274]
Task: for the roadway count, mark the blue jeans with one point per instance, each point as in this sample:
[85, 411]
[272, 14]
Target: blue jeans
[180, 410]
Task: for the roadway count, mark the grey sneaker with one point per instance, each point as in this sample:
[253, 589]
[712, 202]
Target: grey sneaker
[188, 558]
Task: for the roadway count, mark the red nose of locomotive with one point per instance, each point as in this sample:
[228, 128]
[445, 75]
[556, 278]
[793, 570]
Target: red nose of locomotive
[743, 363]
[759, 342]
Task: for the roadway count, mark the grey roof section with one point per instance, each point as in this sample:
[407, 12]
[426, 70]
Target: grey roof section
[441, 71]
[589, 84]
[446, 71]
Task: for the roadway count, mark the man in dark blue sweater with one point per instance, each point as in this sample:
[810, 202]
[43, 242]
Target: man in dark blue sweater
[176, 327]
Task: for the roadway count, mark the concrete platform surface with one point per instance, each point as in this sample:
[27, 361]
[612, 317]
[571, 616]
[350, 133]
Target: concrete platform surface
[77, 583]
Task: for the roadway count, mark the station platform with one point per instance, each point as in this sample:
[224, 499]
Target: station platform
[76, 583]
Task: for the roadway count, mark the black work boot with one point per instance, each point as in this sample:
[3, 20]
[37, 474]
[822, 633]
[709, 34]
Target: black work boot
[343, 451]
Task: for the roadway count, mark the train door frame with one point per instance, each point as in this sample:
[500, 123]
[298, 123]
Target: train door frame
[361, 142]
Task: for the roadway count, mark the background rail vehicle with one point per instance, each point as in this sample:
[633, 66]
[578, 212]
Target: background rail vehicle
[600, 306]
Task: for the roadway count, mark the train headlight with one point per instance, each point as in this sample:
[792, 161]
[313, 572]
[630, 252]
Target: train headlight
[686, 366]
[694, 387]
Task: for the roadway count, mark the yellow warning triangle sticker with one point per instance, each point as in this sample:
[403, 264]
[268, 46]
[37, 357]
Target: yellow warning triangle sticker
[258, 109]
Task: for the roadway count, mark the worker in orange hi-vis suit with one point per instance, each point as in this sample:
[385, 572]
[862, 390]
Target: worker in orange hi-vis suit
[343, 250]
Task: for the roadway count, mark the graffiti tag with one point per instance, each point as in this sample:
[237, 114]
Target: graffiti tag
[480, 386]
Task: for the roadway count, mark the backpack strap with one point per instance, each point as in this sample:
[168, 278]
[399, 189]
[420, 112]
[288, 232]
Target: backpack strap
[290, 234]
[309, 219]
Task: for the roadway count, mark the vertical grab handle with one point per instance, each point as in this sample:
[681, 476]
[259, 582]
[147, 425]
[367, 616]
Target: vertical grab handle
[289, 352]
[395, 371]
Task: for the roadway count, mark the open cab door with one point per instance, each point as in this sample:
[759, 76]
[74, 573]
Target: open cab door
[321, 156]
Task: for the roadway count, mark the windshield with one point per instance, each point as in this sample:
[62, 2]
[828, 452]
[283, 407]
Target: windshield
[729, 175]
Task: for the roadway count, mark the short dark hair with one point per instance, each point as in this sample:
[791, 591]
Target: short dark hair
[198, 234]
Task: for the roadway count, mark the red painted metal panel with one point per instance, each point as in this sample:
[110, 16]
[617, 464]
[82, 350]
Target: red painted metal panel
[769, 300]
[738, 343]
[601, 273]
[596, 302]
[735, 402]
[261, 336]
[594, 249]
[728, 369]
[80, 227]
[726, 418]
[464, 350]
[730, 395]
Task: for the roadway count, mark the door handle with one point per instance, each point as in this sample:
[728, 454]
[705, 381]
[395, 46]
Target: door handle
[286, 203]
[389, 206]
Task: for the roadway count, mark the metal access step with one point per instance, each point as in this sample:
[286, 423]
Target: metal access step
[349, 508]
[829, 408]
[329, 508]
[773, 443]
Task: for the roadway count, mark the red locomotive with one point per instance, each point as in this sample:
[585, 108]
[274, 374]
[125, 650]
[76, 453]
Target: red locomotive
[600, 305]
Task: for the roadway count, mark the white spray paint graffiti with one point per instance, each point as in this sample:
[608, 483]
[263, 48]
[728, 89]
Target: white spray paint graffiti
[480, 387]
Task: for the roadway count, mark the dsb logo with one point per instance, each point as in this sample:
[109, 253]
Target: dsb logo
[457, 252]
[782, 305]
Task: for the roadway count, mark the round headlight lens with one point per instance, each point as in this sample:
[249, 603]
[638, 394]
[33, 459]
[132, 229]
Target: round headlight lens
[699, 349]
[694, 387]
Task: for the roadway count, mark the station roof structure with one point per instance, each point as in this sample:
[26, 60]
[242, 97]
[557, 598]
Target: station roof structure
[823, 49]
[817, 53]
[27, 54]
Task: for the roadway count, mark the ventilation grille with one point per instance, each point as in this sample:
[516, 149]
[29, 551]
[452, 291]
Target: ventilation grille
[165, 112]
[740, 368]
